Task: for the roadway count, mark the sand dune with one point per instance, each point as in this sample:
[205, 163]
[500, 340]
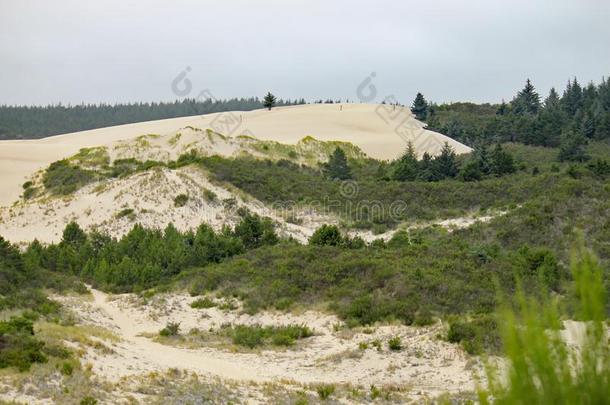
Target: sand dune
[381, 131]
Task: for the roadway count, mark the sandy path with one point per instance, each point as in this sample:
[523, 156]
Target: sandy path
[427, 365]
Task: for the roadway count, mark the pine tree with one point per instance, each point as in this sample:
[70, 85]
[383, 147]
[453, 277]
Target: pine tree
[420, 107]
[573, 147]
[572, 98]
[527, 101]
[502, 109]
[269, 101]
[406, 167]
[426, 168]
[483, 160]
[502, 162]
[337, 167]
[471, 171]
[445, 164]
[550, 121]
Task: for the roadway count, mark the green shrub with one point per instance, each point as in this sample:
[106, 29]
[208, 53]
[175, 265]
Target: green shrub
[325, 390]
[542, 369]
[67, 368]
[63, 178]
[477, 335]
[126, 212]
[181, 200]
[88, 401]
[171, 329]
[209, 195]
[395, 344]
[18, 346]
[256, 335]
[203, 303]
[326, 235]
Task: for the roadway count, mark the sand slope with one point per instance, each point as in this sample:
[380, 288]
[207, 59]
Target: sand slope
[381, 131]
[428, 366]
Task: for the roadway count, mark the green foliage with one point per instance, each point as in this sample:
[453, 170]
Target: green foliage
[526, 120]
[255, 231]
[171, 329]
[476, 335]
[406, 168]
[88, 401]
[325, 390]
[41, 121]
[326, 235]
[256, 335]
[269, 101]
[62, 177]
[126, 212]
[420, 107]
[180, 200]
[18, 346]
[527, 101]
[142, 258]
[337, 167]
[501, 162]
[543, 368]
[572, 147]
[445, 165]
[395, 344]
[203, 303]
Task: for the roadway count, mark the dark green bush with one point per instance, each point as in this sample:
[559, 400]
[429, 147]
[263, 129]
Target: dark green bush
[181, 200]
[203, 303]
[63, 177]
[395, 344]
[171, 329]
[256, 335]
[477, 335]
[18, 346]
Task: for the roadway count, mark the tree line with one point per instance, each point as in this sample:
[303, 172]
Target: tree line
[569, 121]
[32, 122]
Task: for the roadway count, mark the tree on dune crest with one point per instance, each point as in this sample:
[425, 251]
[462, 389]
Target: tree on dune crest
[420, 107]
[269, 101]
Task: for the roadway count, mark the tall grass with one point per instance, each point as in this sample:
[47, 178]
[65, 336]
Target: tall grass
[542, 368]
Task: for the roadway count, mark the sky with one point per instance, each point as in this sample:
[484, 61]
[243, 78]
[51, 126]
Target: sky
[74, 51]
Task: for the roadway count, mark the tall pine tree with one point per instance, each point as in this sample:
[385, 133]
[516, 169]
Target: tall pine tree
[269, 101]
[337, 167]
[420, 107]
[406, 167]
[527, 101]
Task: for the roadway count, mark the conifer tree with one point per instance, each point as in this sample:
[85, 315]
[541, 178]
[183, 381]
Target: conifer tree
[406, 167]
[269, 101]
[502, 162]
[573, 147]
[572, 98]
[426, 168]
[445, 163]
[420, 107]
[337, 167]
[527, 101]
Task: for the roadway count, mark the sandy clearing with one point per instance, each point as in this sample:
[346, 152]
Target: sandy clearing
[371, 127]
[427, 365]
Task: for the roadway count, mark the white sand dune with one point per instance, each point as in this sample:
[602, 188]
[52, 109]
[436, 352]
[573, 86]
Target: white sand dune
[381, 131]
[428, 366]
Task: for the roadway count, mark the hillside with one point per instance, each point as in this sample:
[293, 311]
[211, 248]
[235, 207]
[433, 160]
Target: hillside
[364, 125]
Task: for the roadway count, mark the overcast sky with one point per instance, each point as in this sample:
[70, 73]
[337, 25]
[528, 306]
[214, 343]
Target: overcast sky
[92, 51]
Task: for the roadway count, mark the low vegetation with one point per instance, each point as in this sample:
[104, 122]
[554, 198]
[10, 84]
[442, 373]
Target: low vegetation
[542, 367]
[256, 335]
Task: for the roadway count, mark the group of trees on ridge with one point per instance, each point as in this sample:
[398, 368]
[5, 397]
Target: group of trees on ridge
[29, 122]
[569, 121]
